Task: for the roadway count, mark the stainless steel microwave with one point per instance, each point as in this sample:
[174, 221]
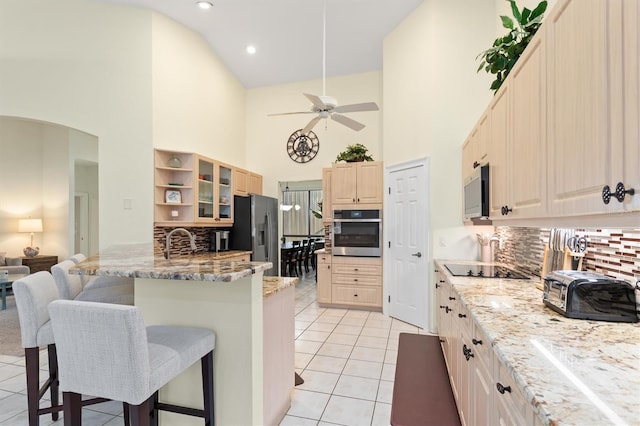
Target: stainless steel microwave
[357, 233]
[476, 193]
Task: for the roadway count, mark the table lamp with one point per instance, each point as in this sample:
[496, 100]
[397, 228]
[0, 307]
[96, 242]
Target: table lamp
[30, 225]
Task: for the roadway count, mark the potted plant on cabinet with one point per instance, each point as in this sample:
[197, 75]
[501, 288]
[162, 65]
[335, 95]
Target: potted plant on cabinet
[354, 153]
[500, 58]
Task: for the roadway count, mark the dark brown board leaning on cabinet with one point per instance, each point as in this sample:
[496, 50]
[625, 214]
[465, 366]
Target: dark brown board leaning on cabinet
[422, 394]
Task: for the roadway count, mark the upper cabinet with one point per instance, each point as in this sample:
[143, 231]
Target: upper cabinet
[564, 128]
[246, 182]
[327, 207]
[193, 190]
[474, 150]
[357, 184]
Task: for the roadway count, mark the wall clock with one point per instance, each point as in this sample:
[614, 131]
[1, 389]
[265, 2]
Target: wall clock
[302, 148]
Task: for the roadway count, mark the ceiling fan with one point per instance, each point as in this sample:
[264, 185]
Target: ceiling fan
[326, 106]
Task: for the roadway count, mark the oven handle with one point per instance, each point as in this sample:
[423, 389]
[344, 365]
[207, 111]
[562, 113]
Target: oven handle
[358, 220]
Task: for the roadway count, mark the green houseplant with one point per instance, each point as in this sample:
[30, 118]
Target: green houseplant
[354, 153]
[500, 58]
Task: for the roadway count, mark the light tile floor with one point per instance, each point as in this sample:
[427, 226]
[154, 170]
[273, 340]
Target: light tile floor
[346, 357]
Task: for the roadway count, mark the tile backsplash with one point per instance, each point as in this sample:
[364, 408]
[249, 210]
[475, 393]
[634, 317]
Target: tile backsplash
[612, 252]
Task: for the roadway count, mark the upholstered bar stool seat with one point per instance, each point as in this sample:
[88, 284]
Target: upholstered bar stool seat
[97, 289]
[105, 350]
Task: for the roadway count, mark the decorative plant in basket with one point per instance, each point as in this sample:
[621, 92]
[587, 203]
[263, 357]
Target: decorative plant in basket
[354, 153]
[502, 56]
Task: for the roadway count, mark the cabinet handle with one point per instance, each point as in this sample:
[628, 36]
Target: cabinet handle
[452, 298]
[468, 354]
[476, 164]
[476, 342]
[462, 315]
[447, 309]
[358, 199]
[502, 389]
[621, 192]
[505, 210]
[442, 281]
[355, 269]
[355, 295]
[441, 340]
[437, 285]
[355, 279]
[354, 200]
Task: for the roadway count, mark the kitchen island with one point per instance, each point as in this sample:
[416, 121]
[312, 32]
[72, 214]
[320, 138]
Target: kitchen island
[228, 297]
[569, 371]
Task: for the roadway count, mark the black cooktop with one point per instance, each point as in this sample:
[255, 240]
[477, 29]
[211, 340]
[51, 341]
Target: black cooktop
[483, 271]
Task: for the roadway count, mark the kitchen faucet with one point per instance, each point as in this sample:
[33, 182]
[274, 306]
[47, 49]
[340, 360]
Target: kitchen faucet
[192, 241]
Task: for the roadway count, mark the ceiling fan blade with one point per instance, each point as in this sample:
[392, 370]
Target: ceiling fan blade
[349, 122]
[315, 100]
[291, 113]
[366, 106]
[309, 126]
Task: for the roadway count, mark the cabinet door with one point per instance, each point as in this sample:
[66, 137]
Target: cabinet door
[225, 195]
[327, 209]
[474, 152]
[240, 182]
[585, 144]
[206, 193]
[631, 52]
[255, 183]
[498, 152]
[343, 183]
[527, 145]
[369, 182]
[324, 279]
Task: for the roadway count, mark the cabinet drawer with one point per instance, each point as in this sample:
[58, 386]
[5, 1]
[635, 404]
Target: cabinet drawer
[324, 258]
[356, 295]
[358, 269]
[481, 346]
[356, 279]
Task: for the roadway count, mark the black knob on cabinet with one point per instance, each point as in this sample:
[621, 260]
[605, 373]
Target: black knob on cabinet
[442, 281]
[447, 309]
[502, 389]
[437, 285]
[441, 340]
[621, 192]
[462, 316]
[505, 210]
[476, 342]
[452, 298]
[606, 194]
[476, 164]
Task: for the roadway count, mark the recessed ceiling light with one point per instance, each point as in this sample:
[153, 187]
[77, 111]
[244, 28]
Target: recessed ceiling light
[204, 4]
[251, 49]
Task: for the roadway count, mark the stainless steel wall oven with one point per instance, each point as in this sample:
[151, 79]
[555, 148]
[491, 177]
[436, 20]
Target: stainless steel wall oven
[357, 233]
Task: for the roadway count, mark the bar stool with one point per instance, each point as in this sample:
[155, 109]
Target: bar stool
[33, 294]
[97, 289]
[113, 355]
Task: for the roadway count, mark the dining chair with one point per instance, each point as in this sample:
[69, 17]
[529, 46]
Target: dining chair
[114, 355]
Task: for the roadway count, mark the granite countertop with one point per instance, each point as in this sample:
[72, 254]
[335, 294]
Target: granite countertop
[145, 261]
[571, 371]
[272, 285]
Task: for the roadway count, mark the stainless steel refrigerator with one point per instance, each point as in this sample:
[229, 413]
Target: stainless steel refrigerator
[255, 228]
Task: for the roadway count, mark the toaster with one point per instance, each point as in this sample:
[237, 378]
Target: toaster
[587, 295]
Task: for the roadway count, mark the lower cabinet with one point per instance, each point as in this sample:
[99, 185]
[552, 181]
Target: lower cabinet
[354, 281]
[484, 390]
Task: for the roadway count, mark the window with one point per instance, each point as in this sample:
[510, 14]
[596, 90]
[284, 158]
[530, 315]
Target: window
[297, 218]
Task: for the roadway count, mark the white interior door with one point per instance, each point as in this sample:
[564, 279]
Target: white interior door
[406, 242]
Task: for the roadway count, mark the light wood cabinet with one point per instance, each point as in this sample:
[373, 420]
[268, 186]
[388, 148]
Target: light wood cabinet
[171, 177]
[327, 206]
[213, 192]
[323, 273]
[475, 373]
[246, 182]
[474, 150]
[355, 282]
[498, 164]
[357, 184]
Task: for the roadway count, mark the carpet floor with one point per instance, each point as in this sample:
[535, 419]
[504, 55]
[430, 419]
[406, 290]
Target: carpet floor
[10, 340]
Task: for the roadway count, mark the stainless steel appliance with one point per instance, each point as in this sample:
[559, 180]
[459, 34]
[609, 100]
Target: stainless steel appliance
[255, 228]
[587, 295]
[357, 233]
[476, 193]
[483, 271]
[219, 240]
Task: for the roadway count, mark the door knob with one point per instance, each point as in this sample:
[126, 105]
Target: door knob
[418, 254]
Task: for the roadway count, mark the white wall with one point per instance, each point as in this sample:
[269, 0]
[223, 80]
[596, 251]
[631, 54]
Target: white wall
[198, 105]
[267, 136]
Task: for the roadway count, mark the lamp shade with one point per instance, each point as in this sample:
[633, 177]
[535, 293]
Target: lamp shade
[30, 225]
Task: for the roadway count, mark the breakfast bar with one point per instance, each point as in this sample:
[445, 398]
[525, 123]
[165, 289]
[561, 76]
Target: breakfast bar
[227, 297]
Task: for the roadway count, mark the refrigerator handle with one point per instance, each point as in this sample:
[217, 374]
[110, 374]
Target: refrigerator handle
[266, 245]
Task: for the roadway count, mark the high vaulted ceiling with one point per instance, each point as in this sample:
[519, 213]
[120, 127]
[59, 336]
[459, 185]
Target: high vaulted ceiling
[288, 34]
